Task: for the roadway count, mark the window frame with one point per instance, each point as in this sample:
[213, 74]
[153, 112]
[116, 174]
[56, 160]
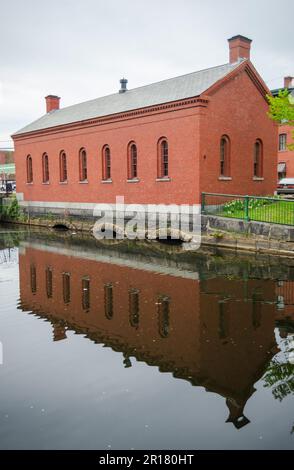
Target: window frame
[132, 161]
[258, 159]
[45, 168]
[225, 157]
[63, 167]
[83, 165]
[283, 174]
[106, 163]
[282, 142]
[30, 174]
[162, 158]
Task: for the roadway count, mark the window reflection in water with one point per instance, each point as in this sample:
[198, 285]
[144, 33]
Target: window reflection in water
[108, 301]
[49, 282]
[256, 309]
[86, 293]
[163, 307]
[33, 274]
[66, 287]
[134, 307]
[223, 326]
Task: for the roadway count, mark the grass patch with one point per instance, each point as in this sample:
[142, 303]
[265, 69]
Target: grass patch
[261, 210]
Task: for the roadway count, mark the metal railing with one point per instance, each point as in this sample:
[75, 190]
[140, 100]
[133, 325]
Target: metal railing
[274, 210]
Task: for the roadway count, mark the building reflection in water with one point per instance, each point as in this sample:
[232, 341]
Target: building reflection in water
[217, 333]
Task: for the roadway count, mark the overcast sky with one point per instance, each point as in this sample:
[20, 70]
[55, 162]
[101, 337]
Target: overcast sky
[80, 49]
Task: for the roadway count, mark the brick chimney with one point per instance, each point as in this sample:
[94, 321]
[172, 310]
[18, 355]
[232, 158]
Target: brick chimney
[288, 82]
[52, 102]
[239, 48]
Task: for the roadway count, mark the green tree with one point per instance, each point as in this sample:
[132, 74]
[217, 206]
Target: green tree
[12, 210]
[281, 110]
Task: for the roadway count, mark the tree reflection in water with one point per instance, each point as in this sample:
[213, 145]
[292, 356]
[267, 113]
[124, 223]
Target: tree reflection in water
[279, 375]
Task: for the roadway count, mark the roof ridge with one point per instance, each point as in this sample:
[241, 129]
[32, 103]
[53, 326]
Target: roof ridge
[145, 86]
[179, 76]
[163, 91]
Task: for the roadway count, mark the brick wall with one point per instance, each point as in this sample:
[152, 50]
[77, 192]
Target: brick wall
[179, 127]
[287, 156]
[238, 110]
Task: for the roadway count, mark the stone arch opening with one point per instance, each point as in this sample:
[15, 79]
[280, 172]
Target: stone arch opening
[61, 227]
[173, 236]
[170, 241]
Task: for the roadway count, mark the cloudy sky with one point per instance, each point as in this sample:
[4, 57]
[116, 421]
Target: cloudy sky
[79, 49]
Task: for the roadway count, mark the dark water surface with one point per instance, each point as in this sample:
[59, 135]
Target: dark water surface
[140, 346]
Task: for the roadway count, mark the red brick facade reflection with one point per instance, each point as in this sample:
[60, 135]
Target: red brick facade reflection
[217, 333]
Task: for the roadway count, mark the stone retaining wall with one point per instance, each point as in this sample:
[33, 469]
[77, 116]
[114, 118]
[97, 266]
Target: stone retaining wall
[216, 231]
[263, 230]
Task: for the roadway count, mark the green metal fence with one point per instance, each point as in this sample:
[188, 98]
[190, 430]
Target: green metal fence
[274, 210]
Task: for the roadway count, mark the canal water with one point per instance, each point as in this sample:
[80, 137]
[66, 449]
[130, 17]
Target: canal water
[142, 346]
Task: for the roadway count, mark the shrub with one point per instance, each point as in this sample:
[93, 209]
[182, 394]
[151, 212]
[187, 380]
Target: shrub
[234, 206]
[238, 205]
[12, 210]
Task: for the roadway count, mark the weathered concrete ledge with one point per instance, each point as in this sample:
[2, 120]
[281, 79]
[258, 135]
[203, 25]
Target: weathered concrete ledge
[258, 237]
[263, 230]
[221, 232]
[249, 244]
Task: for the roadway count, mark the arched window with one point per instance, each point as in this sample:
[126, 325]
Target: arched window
[132, 161]
[29, 169]
[83, 165]
[45, 168]
[63, 167]
[106, 163]
[224, 156]
[162, 158]
[257, 159]
[282, 142]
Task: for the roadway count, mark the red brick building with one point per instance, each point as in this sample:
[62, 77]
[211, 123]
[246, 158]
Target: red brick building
[7, 167]
[285, 156]
[2, 157]
[161, 143]
[6, 157]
